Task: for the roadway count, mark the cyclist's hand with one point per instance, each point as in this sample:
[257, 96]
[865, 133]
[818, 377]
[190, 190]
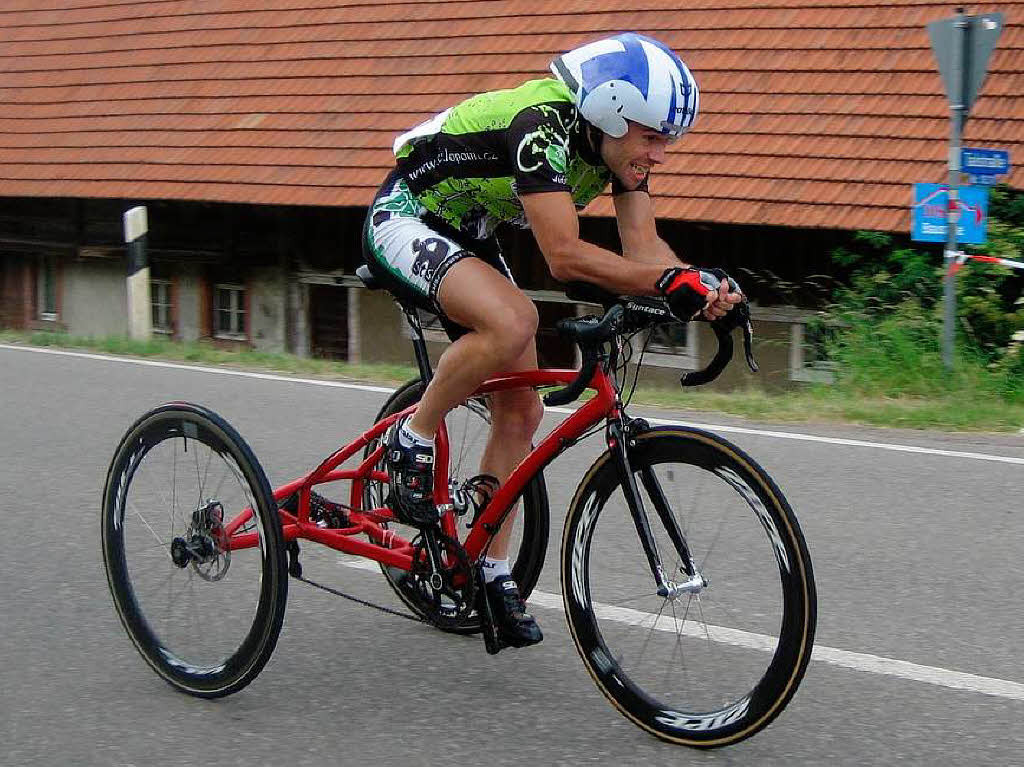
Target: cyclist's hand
[723, 300]
[693, 293]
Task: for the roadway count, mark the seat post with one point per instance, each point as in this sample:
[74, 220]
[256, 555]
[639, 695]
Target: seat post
[419, 344]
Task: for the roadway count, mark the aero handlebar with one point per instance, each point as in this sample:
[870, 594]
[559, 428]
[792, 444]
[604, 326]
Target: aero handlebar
[629, 314]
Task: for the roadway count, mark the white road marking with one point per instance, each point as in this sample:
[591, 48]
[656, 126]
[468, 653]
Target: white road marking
[387, 390]
[201, 369]
[857, 661]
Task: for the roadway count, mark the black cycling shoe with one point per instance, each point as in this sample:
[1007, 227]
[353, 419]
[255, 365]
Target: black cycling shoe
[412, 479]
[516, 627]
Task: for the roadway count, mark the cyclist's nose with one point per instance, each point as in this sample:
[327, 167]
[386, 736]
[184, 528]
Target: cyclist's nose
[656, 154]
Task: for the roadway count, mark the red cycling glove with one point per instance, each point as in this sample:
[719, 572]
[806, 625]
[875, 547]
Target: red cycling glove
[686, 289]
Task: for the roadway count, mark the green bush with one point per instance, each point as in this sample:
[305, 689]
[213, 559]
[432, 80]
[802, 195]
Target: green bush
[890, 314]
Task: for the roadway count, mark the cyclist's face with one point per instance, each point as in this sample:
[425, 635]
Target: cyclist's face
[632, 156]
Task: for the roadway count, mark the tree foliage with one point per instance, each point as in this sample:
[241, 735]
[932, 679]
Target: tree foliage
[891, 307]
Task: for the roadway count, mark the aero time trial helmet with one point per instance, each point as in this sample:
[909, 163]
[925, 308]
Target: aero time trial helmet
[630, 77]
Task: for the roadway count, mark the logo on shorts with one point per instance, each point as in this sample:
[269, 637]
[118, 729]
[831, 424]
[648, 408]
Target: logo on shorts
[430, 254]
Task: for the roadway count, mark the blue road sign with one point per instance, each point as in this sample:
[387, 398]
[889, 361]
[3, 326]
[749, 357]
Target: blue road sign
[929, 214]
[974, 180]
[984, 162]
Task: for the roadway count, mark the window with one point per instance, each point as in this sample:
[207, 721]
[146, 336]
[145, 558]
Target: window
[808, 353]
[229, 312]
[673, 345]
[46, 289]
[160, 298]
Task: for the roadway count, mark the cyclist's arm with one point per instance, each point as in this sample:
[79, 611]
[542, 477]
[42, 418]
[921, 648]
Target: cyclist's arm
[556, 227]
[634, 214]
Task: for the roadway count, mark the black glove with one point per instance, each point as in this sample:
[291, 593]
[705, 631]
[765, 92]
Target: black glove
[687, 289]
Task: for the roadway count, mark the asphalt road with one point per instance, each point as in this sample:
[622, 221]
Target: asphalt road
[917, 556]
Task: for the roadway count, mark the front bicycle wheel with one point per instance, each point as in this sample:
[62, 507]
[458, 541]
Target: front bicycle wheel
[203, 605]
[468, 426]
[714, 663]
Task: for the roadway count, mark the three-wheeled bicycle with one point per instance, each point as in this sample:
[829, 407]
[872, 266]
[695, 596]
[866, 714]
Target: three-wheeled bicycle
[686, 581]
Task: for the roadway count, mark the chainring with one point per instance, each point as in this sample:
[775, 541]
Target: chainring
[444, 597]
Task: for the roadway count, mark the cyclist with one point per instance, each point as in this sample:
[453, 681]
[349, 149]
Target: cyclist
[530, 156]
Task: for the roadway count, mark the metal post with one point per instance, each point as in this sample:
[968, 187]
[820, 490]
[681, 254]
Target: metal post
[958, 107]
[140, 311]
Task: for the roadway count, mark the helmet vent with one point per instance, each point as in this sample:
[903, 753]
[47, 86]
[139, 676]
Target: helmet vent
[654, 79]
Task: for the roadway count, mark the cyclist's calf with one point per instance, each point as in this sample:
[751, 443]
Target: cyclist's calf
[515, 416]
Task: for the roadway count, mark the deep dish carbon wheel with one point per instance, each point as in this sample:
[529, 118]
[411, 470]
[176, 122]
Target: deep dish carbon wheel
[714, 665]
[468, 427]
[204, 615]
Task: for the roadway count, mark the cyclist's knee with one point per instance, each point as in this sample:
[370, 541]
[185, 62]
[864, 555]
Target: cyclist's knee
[512, 330]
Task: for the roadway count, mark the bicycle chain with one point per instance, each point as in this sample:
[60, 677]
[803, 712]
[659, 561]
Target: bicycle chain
[364, 602]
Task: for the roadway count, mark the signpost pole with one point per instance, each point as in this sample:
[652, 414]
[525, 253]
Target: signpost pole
[958, 107]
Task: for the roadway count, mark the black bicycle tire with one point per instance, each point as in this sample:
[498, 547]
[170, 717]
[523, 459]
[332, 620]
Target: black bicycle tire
[255, 650]
[784, 673]
[534, 510]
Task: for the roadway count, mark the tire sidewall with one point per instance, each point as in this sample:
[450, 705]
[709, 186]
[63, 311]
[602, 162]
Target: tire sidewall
[255, 649]
[787, 667]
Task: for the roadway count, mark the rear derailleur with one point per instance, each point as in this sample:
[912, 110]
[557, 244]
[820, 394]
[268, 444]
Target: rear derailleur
[323, 512]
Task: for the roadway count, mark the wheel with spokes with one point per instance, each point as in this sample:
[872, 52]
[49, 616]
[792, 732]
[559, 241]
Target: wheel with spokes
[468, 426]
[714, 657]
[201, 596]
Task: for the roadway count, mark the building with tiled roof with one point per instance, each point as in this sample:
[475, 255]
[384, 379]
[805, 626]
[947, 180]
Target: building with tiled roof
[815, 112]
[817, 115]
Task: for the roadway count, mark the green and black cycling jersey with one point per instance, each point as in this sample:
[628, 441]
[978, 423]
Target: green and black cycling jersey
[469, 164]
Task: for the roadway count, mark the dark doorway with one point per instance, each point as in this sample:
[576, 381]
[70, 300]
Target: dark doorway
[328, 310]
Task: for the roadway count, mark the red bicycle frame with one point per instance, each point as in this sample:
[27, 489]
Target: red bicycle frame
[384, 545]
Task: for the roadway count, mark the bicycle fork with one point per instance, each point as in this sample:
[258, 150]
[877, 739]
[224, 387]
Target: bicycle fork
[620, 441]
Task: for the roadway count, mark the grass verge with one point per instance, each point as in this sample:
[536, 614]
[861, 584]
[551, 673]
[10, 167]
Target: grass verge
[202, 353]
[972, 409]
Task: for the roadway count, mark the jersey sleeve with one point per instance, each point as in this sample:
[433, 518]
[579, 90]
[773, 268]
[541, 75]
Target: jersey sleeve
[538, 145]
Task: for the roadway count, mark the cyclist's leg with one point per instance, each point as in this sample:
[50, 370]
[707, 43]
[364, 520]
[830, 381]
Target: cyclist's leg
[491, 321]
[515, 416]
[501, 323]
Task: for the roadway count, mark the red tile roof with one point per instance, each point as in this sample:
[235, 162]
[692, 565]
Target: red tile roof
[814, 112]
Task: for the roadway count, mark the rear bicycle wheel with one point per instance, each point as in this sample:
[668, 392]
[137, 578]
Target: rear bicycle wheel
[714, 665]
[204, 614]
[468, 426]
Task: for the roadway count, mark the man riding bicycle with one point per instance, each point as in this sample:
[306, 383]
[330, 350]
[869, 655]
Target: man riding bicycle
[530, 156]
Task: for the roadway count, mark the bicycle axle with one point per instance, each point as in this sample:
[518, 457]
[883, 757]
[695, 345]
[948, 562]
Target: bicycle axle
[673, 591]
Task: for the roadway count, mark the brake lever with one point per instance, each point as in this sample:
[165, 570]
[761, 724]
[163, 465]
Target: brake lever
[723, 332]
[741, 318]
[748, 343]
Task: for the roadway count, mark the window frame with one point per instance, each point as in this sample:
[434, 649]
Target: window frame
[686, 357]
[800, 367]
[168, 306]
[46, 266]
[237, 310]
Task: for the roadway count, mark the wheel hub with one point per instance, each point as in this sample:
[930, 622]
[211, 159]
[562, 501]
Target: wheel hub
[179, 552]
[204, 544]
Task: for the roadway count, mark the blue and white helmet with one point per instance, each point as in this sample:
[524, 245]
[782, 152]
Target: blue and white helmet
[630, 77]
